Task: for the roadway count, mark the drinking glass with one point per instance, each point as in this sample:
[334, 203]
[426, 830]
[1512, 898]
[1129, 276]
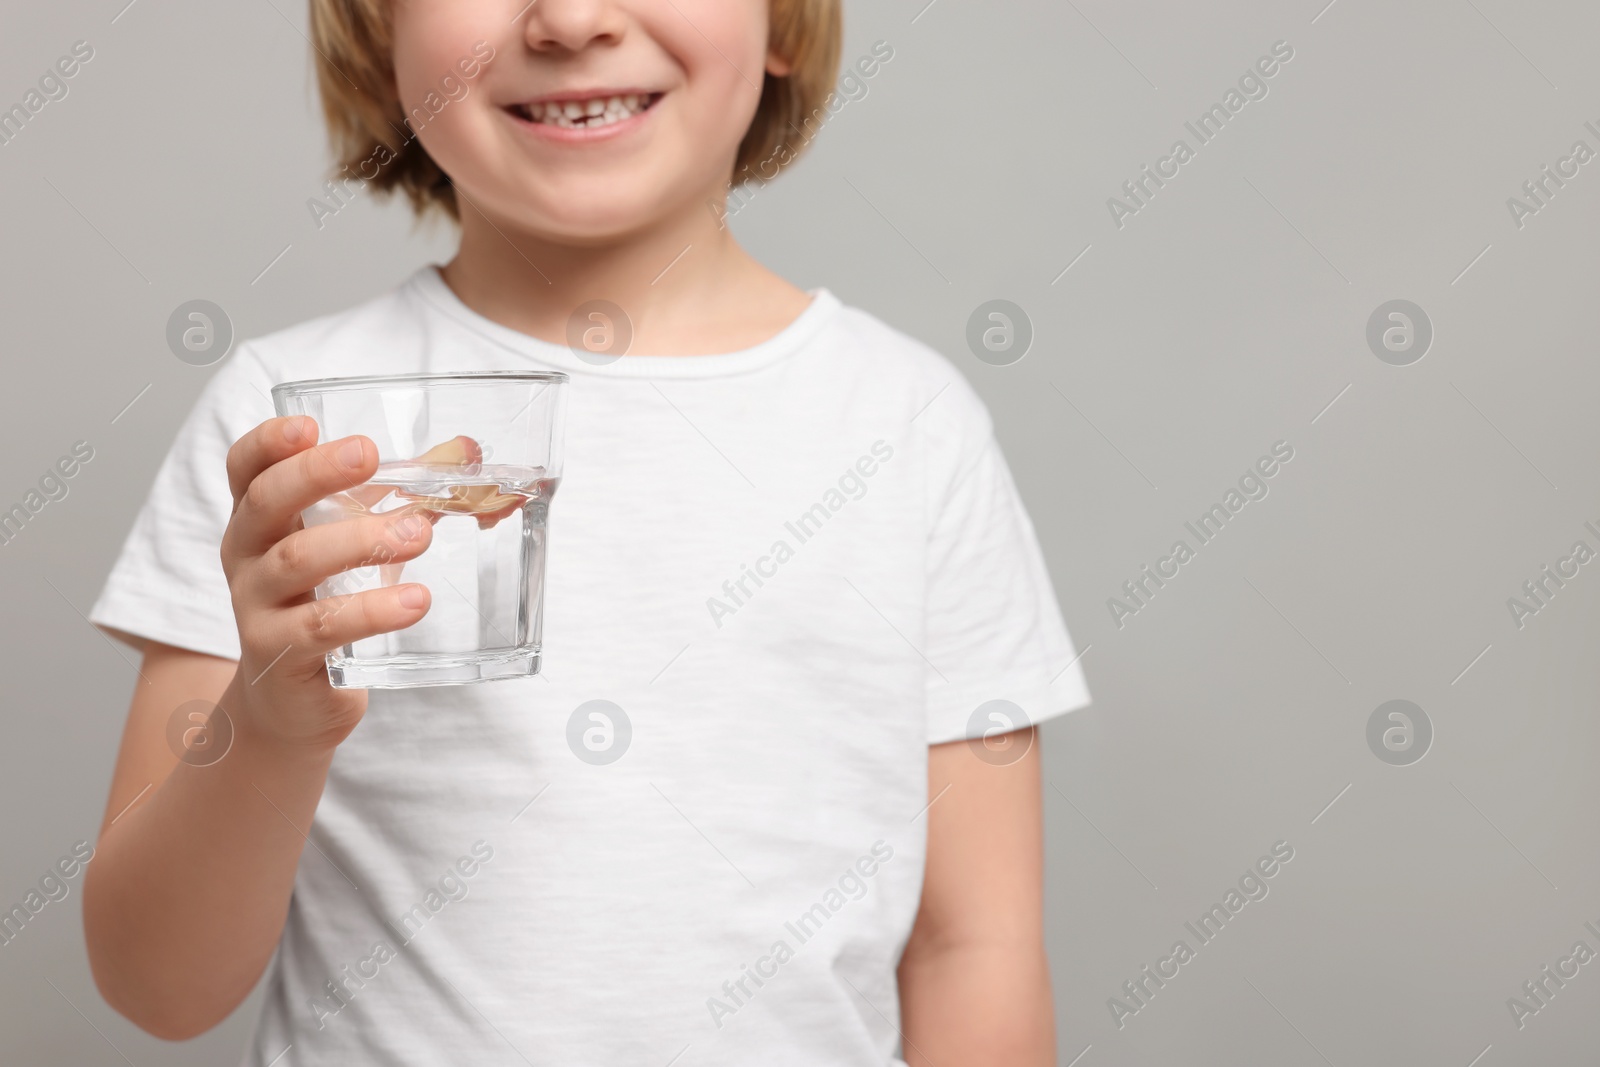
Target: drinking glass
[477, 455]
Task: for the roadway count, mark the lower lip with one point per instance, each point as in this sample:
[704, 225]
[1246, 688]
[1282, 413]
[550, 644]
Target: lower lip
[583, 134]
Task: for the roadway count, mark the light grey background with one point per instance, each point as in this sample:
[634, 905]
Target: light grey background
[1226, 315]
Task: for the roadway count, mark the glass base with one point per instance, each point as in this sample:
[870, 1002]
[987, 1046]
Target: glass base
[414, 671]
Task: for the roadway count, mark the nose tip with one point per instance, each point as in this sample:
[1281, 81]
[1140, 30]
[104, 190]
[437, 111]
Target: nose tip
[571, 25]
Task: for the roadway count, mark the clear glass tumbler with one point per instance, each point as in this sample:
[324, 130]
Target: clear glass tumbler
[478, 455]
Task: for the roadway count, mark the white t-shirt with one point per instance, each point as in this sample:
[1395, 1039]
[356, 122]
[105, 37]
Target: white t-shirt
[737, 887]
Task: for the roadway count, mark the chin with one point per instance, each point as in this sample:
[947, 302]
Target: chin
[588, 212]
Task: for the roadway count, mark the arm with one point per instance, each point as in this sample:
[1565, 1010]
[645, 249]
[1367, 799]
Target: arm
[187, 895]
[974, 980]
[189, 888]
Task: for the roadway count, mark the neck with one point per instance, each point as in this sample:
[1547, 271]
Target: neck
[669, 277]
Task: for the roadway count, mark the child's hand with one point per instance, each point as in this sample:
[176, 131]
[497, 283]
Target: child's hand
[273, 563]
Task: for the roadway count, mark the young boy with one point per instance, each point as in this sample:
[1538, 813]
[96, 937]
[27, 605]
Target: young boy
[787, 551]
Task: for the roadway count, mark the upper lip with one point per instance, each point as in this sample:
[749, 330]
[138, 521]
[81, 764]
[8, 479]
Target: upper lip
[582, 96]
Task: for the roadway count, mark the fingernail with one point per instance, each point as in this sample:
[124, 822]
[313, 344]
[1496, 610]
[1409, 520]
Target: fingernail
[291, 431]
[350, 453]
[413, 596]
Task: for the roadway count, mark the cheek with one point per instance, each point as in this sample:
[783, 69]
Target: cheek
[732, 33]
[443, 107]
[432, 39]
[722, 46]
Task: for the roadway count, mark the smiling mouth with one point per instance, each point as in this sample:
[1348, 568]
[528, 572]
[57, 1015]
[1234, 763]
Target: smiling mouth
[585, 114]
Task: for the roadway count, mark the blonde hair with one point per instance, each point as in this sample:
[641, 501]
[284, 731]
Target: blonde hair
[367, 127]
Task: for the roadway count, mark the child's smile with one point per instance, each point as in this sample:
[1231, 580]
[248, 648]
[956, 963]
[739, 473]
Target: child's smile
[584, 115]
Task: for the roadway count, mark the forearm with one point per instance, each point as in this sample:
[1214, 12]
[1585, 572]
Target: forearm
[187, 895]
[977, 1004]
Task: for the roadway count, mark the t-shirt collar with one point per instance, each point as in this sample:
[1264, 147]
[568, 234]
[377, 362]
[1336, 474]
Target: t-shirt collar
[429, 284]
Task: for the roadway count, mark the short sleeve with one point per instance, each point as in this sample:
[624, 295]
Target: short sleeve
[167, 584]
[994, 629]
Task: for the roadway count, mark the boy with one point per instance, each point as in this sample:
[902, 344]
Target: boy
[786, 551]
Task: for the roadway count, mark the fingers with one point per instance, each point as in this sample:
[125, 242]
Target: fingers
[271, 442]
[311, 630]
[459, 451]
[270, 507]
[296, 564]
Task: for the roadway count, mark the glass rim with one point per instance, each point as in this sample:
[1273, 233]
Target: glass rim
[319, 385]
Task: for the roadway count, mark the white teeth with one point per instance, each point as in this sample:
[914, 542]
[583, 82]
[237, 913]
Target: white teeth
[596, 111]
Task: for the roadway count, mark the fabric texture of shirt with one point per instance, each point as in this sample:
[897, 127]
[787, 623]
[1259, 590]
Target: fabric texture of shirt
[793, 568]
